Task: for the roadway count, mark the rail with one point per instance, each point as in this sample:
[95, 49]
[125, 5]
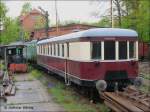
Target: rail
[130, 100]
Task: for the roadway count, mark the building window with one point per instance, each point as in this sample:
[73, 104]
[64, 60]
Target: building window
[132, 49]
[96, 50]
[62, 50]
[122, 50]
[109, 50]
[58, 50]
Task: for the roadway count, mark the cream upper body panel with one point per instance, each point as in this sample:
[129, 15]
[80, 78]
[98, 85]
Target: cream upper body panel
[79, 51]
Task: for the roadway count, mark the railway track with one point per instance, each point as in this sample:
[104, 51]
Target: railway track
[130, 100]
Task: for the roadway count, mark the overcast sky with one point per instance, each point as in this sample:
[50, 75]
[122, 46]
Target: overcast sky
[67, 10]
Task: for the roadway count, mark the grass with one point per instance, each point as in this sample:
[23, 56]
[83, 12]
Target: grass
[66, 96]
[145, 88]
[73, 102]
[1, 65]
[35, 74]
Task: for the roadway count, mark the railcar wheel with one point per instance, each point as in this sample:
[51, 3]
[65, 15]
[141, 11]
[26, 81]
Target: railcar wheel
[101, 85]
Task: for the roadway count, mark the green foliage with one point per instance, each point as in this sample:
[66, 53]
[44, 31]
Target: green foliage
[3, 11]
[36, 74]
[26, 35]
[70, 100]
[104, 22]
[11, 31]
[11, 27]
[138, 18]
[135, 14]
[26, 8]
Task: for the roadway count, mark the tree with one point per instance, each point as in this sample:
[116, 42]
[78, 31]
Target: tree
[118, 8]
[132, 14]
[26, 8]
[11, 31]
[104, 22]
[3, 11]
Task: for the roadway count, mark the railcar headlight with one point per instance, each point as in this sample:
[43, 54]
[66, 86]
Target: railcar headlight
[101, 85]
[138, 81]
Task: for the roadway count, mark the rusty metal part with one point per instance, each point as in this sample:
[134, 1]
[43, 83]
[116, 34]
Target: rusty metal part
[130, 100]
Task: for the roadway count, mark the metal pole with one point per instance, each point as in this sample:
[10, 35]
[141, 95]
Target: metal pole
[111, 13]
[21, 31]
[45, 13]
[56, 16]
[47, 26]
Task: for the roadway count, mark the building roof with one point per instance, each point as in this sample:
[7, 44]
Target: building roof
[68, 25]
[33, 11]
[94, 32]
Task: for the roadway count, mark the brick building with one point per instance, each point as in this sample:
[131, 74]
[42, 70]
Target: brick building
[61, 30]
[33, 20]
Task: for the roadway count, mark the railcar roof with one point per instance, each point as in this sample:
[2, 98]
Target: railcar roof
[94, 32]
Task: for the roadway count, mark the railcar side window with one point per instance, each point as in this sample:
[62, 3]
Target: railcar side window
[96, 50]
[42, 49]
[58, 50]
[122, 50]
[48, 49]
[51, 49]
[109, 50]
[67, 49]
[54, 50]
[62, 50]
[132, 49]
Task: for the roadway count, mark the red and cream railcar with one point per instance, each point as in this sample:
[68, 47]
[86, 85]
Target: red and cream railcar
[85, 57]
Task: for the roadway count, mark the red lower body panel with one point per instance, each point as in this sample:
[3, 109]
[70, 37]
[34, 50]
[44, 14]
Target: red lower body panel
[90, 70]
[18, 67]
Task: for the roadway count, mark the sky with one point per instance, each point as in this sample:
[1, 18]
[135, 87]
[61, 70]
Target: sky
[83, 11]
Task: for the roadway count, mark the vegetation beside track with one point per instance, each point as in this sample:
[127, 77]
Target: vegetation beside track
[144, 71]
[66, 96]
